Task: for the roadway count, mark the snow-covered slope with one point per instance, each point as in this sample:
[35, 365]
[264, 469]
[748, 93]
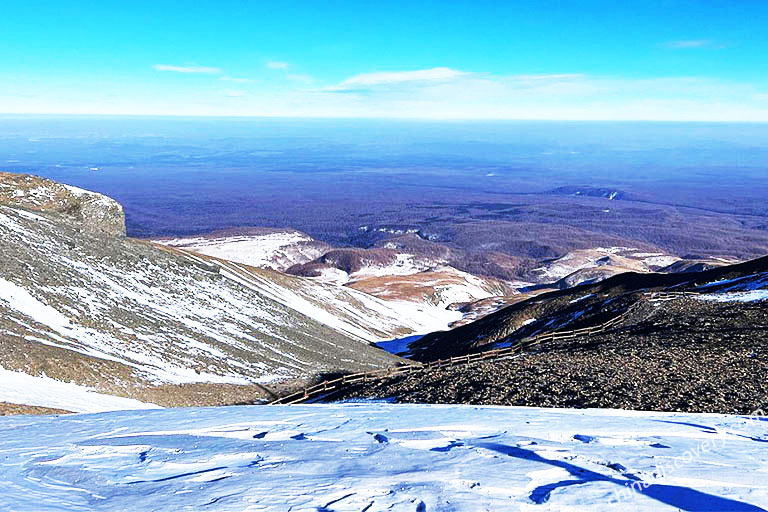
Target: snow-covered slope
[263, 248]
[352, 312]
[439, 286]
[396, 277]
[751, 288]
[404, 296]
[602, 262]
[384, 457]
[86, 307]
[21, 388]
[116, 313]
[593, 304]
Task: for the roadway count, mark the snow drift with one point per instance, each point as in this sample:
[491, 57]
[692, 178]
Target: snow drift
[384, 457]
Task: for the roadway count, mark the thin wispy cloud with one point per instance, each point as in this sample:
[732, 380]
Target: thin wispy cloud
[187, 69]
[386, 78]
[449, 93]
[560, 83]
[438, 93]
[275, 64]
[540, 78]
[442, 78]
[692, 44]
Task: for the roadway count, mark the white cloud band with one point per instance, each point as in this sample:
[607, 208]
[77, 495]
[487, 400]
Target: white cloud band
[187, 69]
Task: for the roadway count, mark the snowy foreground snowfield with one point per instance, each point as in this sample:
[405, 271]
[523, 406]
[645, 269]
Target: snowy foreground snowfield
[374, 456]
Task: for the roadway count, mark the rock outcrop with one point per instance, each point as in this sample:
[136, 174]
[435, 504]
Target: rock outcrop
[96, 212]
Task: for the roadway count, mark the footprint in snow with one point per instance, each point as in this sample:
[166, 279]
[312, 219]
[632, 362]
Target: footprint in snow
[454, 444]
[380, 438]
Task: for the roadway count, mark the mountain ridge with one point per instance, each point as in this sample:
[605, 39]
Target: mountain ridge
[120, 316]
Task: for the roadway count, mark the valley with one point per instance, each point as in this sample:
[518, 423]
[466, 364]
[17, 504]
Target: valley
[250, 314]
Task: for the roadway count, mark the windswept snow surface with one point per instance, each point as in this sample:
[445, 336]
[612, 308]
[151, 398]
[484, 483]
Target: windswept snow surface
[277, 251]
[374, 456]
[750, 296]
[621, 259]
[20, 388]
[751, 288]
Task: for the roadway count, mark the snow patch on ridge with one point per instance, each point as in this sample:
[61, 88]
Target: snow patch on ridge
[276, 251]
[749, 296]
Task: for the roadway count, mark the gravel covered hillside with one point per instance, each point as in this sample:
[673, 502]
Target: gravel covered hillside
[680, 355]
[705, 351]
[577, 307]
[88, 306]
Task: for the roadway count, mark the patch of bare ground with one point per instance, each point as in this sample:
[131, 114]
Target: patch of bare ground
[434, 286]
[7, 409]
[214, 394]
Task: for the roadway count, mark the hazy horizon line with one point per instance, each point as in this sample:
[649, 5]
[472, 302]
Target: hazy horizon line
[377, 118]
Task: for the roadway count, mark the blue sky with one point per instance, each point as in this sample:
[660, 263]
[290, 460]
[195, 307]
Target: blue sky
[666, 60]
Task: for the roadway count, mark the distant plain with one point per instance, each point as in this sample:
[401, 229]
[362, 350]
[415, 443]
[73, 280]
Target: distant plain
[527, 190]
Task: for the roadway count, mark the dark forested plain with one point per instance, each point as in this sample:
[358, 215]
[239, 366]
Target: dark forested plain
[522, 190]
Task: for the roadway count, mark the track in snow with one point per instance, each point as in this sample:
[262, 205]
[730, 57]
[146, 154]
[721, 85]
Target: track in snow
[380, 456]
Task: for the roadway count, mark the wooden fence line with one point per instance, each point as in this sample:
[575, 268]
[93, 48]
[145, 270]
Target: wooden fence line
[488, 355]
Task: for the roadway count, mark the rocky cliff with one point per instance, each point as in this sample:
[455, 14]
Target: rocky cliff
[95, 212]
